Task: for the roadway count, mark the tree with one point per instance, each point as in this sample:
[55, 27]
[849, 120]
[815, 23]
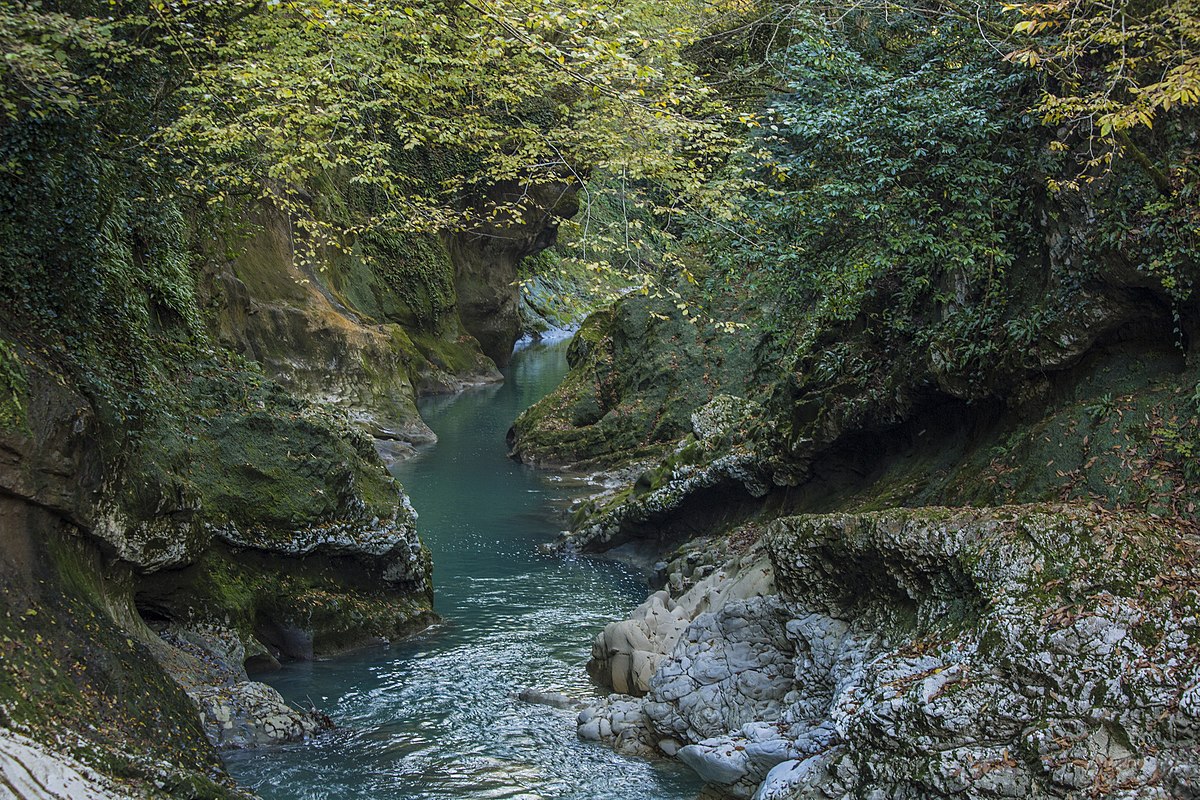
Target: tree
[419, 105]
[1112, 69]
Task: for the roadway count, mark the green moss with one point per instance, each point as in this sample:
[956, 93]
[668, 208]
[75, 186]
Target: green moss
[385, 275]
[234, 446]
[340, 605]
[558, 291]
[459, 356]
[638, 371]
[262, 262]
[14, 389]
[1123, 438]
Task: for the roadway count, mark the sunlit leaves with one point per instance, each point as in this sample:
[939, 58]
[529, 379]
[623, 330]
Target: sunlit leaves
[539, 91]
[1112, 68]
[267, 101]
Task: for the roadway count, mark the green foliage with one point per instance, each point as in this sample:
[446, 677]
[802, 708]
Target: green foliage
[94, 268]
[889, 181]
[56, 63]
[1121, 88]
[1112, 70]
[259, 101]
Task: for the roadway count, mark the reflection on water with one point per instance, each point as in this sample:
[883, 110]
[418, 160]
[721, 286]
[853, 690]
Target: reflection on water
[437, 717]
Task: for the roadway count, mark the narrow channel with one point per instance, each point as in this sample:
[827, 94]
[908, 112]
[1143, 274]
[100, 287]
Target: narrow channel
[437, 717]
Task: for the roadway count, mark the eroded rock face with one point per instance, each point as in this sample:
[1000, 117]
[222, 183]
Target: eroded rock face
[486, 258]
[732, 668]
[627, 654]
[720, 454]
[1012, 652]
[253, 514]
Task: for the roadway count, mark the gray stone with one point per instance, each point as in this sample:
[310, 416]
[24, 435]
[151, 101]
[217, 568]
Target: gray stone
[1008, 653]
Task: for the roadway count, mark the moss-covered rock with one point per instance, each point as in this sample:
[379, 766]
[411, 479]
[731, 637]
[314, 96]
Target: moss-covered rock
[231, 504]
[638, 371]
[142, 451]
[368, 331]
[298, 606]
[721, 461]
[77, 674]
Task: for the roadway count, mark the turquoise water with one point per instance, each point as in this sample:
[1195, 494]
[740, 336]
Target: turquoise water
[436, 717]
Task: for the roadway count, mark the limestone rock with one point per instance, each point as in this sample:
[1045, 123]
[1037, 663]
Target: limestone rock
[626, 654]
[364, 340]
[252, 714]
[619, 722]
[208, 661]
[1024, 651]
[545, 698]
[30, 771]
[732, 667]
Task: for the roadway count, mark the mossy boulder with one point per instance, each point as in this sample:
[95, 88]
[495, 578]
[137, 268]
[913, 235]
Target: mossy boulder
[721, 460]
[638, 370]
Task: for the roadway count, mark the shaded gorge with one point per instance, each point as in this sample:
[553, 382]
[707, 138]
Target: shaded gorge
[437, 716]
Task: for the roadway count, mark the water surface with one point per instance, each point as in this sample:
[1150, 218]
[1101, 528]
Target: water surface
[436, 717]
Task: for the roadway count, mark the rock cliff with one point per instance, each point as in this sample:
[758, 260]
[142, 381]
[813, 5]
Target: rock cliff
[142, 574]
[191, 481]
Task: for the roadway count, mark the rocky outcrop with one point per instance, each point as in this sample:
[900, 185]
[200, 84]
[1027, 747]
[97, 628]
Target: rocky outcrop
[252, 714]
[720, 457]
[639, 369]
[627, 654]
[519, 220]
[1012, 652]
[29, 771]
[142, 573]
[236, 712]
[80, 673]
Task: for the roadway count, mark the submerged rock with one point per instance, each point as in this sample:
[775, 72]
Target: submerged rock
[552, 699]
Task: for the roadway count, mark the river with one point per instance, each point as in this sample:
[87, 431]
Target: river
[437, 716]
